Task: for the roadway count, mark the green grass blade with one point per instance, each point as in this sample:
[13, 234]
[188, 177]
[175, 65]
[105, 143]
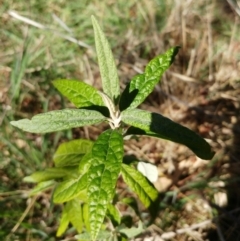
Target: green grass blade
[153, 124]
[143, 84]
[18, 70]
[71, 153]
[108, 70]
[59, 120]
[79, 93]
[139, 184]
[107, 155]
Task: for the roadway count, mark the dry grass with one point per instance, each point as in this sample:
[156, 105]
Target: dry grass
[201, 90]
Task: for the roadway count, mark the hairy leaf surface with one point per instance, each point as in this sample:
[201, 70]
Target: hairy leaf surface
[107, 152]
[139, 184]
[79, 93]
[59, 120]
[156, 125]
[71, 153]
[143, 84]
[108, 70]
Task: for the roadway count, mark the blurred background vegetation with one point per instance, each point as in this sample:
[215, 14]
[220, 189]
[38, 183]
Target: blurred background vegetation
[199, 200]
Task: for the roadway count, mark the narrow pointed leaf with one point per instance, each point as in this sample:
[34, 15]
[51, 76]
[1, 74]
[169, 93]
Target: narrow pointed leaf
[143, 84]
[41, 187]
[79, 93]
[139, 184]
[75, 214]
[86, 217]
[107, 152]
[72, 212]
[114, 214]
[71, 153]
[108, 70]
[156, 125]
[59, 120]
[64, 222]
[50, 174]
[70, 189]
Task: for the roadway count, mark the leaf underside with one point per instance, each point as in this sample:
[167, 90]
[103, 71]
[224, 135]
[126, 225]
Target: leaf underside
[108, 70]
[107, 154]
[143, 84]
[59, 120]
[152, 124]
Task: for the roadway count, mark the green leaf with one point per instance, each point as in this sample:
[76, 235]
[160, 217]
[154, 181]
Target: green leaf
[70, 189]
[156, 125]
[132, 232]
[79, 93]
[102, 236]
[85, 163]
[75, 214]
[71, 153]
[59, 120]
[139, 184]
[41, 187]
[86, 217]
[143, 84]
[50, 174]
[131, 202]
[108, 70]
[114, 214]
[64, 222]
[107, 152]
[72, 212]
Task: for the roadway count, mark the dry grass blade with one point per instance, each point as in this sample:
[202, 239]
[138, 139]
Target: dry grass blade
[25, 213]
[41, 26]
